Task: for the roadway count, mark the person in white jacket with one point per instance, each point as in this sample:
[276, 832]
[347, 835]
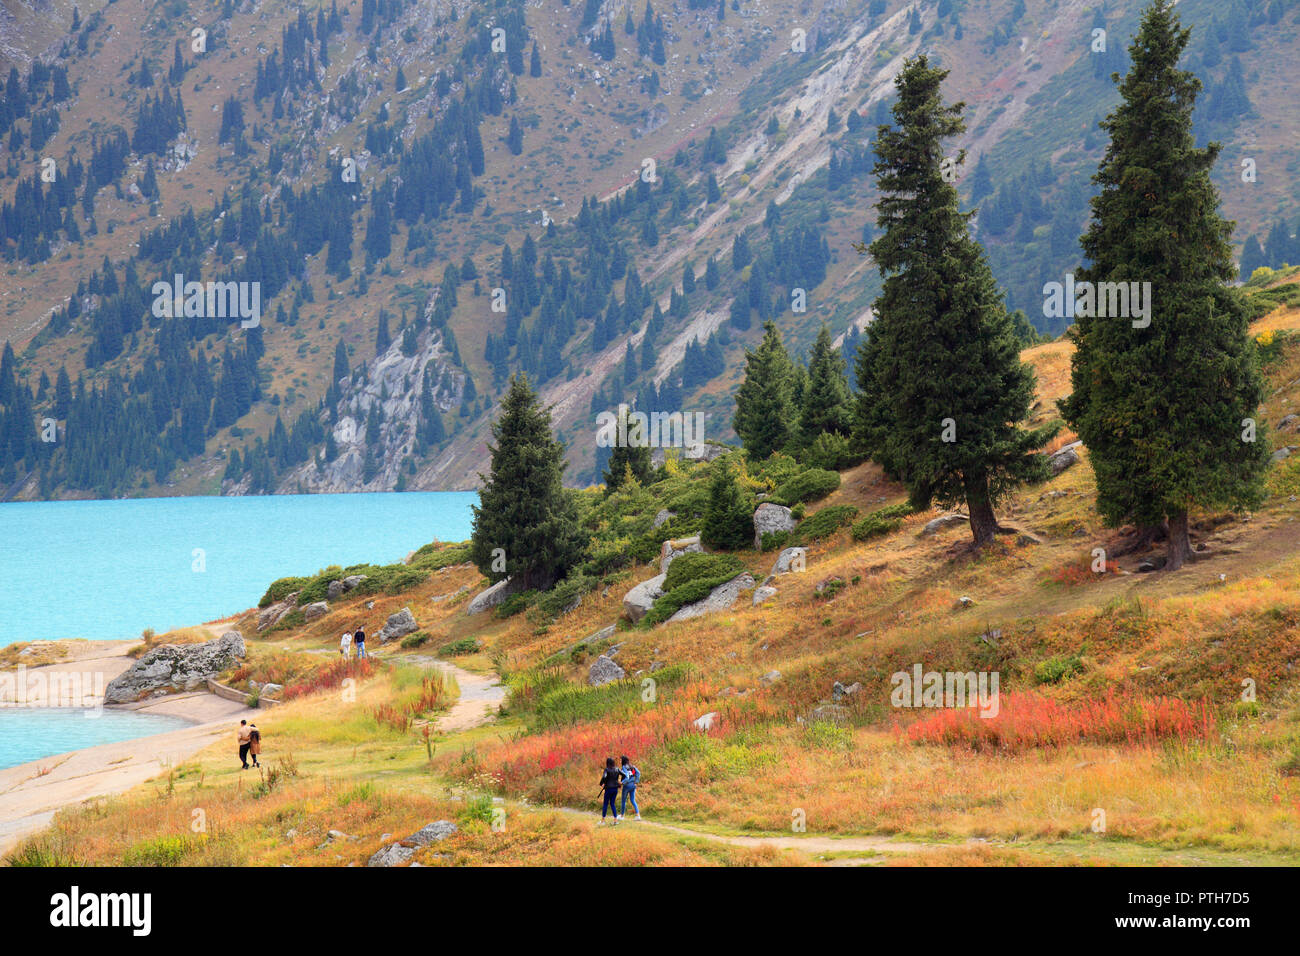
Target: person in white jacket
[345, 644]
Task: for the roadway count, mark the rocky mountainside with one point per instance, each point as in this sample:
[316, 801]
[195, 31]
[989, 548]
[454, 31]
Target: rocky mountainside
[611, 197]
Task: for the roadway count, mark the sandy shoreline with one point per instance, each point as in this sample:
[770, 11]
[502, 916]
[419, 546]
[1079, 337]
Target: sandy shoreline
[31, 793]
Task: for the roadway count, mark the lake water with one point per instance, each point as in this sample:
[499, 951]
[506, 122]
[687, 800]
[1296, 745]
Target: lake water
[30, 733]
[109, 569]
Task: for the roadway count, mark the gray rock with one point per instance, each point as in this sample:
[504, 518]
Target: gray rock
[1289, 421]
[352, 580]
[833, 582]
[707, 721]
[1064, 458]
[1280, 455]
[638, 601]
[314, 610]
[392, 855]
[175, 667]
[447, 597]
[270, 616]
[432, 833]
[790, 560]
[840, 691]
[721, 598]
[762, 594]
[657, 666]
[964, 601]
[942, 523]
[771, 677]
[604, 671]
[272, 690]
[490, 598]
[334, 590]
[830, 713]
[663, 517]
[769, 519]
[397, 625]
[676, 548]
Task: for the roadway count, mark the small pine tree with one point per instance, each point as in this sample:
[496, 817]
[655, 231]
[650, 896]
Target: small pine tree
[825, 405]
[764, 412]
[523, 508]
[728, 518]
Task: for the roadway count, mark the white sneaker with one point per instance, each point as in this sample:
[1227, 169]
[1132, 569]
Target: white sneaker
[638, 816]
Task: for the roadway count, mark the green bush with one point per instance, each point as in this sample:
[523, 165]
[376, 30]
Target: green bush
[831, 452]
[552, 604]
[670, 602]
[696, 565]
[1056, 669]
[466, 645]
[516, 603]
[281, 589]
[881, 521]
[774, 540]
[810, 485]
[419, 639]
[570, 704]
[435, 555]
[826, 522]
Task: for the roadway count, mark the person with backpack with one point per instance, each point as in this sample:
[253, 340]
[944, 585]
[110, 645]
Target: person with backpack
[255, 746]
[359, 639]
[610, 781]
[631, 777]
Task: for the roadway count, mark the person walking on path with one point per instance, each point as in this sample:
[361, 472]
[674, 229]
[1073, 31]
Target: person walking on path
[255, 748]
[345, 644]
[631, 777]
[359, 639]
[245, 739]
[610, 781]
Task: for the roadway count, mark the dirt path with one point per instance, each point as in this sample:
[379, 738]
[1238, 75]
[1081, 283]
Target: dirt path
[480, 695]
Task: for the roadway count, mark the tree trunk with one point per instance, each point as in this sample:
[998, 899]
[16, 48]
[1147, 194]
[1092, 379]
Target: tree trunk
[983, 523]
[1143, 536]
[1180, 542]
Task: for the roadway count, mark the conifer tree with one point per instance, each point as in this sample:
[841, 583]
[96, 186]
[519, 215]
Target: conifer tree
[627, 459]
[523, 509]
[728, 517]
[825, 405]
[1163, 401]
[764, 413]
[941, 384]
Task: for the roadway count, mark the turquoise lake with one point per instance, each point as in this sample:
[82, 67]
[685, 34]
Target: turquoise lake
[30, 733]
[110, 569]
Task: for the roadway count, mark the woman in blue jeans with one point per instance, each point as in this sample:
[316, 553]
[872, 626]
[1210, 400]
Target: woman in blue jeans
[631, 777]
[610, 781]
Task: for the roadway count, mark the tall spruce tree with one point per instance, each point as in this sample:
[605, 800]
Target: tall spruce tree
[1163, 402]
[942, 388]
[523, 508]
[825, 401]
[728, 517]
[764, 410]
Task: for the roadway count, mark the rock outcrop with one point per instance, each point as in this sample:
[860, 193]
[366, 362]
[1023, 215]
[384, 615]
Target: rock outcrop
[769, 519]
[498, 593]
[314, 610]
[604, 671]
[1064, 458]
[675, 548]
[173, 668]
[942, 523]
[638, 601]
[397, 625]
[721, 598]
[790, 560]
[270, 616]
[396, 854]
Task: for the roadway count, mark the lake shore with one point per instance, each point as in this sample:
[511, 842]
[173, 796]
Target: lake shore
[31, 793]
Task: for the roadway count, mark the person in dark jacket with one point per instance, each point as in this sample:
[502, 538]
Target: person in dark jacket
[255, 747]
[610, 782]
[359, 642]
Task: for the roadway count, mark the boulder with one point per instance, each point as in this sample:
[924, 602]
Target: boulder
[1064, 458]
[839, 691]
[172, 668]
[790, 560]
[392, 855]
[604, 671]
[432, 833]
[397, 625]
[1280, 455]
[490, 598]
[270, 616]
[334, 590]
[676, 548]
[314, 610]
[770, 518]
[662, 517]
[720, 598]
[272, 691]
[707, 721]
[1289, 421]
[352, 580]
[771, 677]
[638, 601]
[762, 594]
[942, 523]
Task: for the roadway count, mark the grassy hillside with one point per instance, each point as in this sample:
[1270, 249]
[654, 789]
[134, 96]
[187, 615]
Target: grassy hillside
[1144, 718]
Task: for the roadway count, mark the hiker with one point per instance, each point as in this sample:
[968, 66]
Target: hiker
[345, 644]
[631, 777]
[610, 781]
[245, 739]
[255, 748]
[359, 639]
